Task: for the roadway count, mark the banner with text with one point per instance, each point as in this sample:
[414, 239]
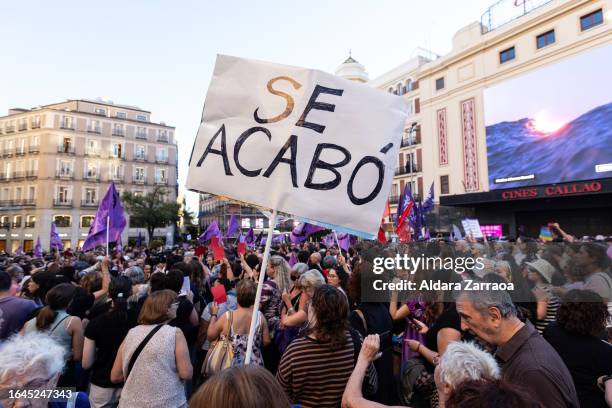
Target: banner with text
[302, 141]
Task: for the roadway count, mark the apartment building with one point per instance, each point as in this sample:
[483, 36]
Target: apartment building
[58, 161]
[484, 119]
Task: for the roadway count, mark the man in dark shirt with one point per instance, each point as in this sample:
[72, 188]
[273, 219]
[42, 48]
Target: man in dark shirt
[526, 359]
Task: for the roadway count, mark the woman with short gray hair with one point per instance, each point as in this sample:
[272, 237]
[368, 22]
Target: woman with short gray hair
[463, 362]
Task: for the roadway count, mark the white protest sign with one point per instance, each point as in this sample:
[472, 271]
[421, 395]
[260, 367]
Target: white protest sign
[472, 226]
[297, 140]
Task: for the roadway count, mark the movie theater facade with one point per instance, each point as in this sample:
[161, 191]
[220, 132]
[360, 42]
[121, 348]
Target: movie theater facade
[515, 123]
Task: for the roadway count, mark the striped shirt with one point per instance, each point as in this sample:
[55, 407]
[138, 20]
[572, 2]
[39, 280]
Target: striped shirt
[314, 376]
[551, 309]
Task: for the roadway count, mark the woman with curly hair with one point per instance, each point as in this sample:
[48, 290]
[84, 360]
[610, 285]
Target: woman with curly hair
[316, 367]
[576, 336]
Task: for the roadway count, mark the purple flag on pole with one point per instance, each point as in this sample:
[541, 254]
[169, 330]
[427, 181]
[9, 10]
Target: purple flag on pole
[38, 249]
[346, 240]
[328, 240]
[56, 241]
[232, 226]
[211, 231]
[250, 237]
[110, 211]
[19, 250]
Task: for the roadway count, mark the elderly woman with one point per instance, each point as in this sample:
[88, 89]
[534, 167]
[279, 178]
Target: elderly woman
[308, 283]
[461, 362]
[34, 361]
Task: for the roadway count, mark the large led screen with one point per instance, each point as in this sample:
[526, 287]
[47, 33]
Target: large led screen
[553, 124]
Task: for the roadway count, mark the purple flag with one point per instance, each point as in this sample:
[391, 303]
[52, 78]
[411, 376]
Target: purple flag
[232, 226]
[250, 237]
[346, 240]
[328, 240]
[292, 259]
[110, 212]
[428, 204]
[56, 241]
[38, 249]
[119, 246]
[19, 250]
[263, 240]
[259, 239]
[303, 231]
[211, 231]
[139, 240]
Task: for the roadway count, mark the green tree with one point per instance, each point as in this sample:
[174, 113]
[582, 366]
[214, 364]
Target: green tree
[151, 210]
[188, 221]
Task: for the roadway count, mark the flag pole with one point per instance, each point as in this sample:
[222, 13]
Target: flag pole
[262, 275]
[107, 232]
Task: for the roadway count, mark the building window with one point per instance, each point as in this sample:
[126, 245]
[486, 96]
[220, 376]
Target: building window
[63, 194]
[161, 176]
[94, 126]
[142, 118]
[246, 223]
[141, 132]
[67, 123]
[90, 196]
[259, 223]
[35, 122]
[139, 174]
[506, 55]
[62, 221]
[591, 20]
[439, 83]
[545, 39]
[121, 115]
[118, 129]
[91, 171]
[444, 189]
[161, 155]
[30, 221]
[140, 152]
[86, 221]
[100, 111]
[65, 168]
[117, 151]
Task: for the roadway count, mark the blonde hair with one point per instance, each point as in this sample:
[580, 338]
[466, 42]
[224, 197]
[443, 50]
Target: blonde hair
[30, 358]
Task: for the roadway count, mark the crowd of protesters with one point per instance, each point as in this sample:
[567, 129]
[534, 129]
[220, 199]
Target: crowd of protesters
[153, 327]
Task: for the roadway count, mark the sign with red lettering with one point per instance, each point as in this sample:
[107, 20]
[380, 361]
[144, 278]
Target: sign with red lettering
[552, 190]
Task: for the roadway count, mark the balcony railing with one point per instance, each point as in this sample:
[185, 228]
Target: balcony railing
[407, 170]
[32, 174]
[94, 129]
[91, 177]
[62, 203]
[20, 152]
[26, 202]
[394, 199]
[19, 175]
[117, 177]
[161, 160]
[92, 153]
[114, 156]
[161, 182]
[66, 149]
[5, 225]
[8, 152]
[63, 174]
[89, 203]
[30, 224]
[118, 132]
[34, 149]
[67, 126]
[140, 158]
[35, 125]
[409, 141]
[16, 224]
[9, 129]
[141, 136]
[140, 181]
[163, 139]
[23, 126]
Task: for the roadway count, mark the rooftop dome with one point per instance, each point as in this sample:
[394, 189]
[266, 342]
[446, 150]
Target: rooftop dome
[351, 69]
